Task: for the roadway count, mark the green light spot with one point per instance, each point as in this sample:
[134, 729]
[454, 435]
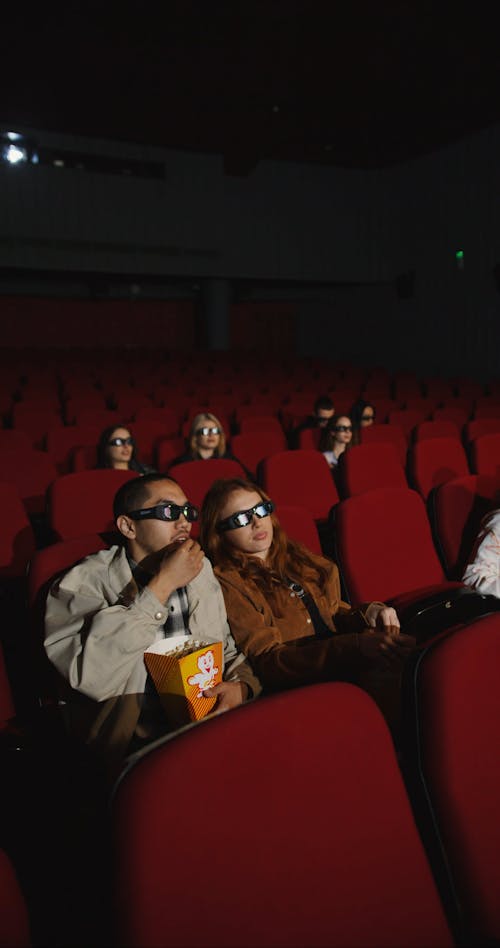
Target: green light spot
[459, 255]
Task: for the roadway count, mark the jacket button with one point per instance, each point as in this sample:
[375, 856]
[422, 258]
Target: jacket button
[158, 615]
[309, 621]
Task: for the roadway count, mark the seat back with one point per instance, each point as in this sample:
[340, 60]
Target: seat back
[458, 507]
[391, 433]
[299, 524]
[292, 476]
[82, 503]
[436, 429]
[384, 544]
[407, 419]
[195, 477]
[61, 442]
[17, 540]
[31, 471]
[434, 461]
[485, 454]
[481, 426]
[310, 882]
[253, 446]
[14, 919]
[453, 718]
[309, 439]
[367, 466]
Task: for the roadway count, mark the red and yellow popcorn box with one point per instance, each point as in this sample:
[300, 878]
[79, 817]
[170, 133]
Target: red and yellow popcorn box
[181, 673]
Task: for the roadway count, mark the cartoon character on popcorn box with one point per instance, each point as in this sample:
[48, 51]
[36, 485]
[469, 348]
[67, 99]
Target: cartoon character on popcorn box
[206, 675]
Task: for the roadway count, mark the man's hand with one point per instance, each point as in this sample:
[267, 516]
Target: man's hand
[380, 616]
[178, 566]
[229, 694]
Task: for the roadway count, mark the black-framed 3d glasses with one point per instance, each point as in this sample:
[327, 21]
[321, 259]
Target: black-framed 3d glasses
[167, 512]
[343, 428]
[208, 431]
[244, 517]
[118, 442]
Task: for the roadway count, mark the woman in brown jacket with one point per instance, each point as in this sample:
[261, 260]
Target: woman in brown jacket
[283, 602]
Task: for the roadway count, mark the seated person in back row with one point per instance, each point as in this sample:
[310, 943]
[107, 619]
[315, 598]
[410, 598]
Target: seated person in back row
[483, 569]
[105, 611]
[206, 440]
[322, 414]
[117, 449]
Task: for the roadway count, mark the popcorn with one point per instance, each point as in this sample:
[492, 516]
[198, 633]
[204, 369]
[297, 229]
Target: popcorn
[182, 669]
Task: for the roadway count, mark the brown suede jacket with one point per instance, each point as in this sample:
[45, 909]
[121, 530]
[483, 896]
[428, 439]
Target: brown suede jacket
[283, 649]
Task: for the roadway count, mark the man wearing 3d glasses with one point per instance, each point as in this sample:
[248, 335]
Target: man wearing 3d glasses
[105, 611]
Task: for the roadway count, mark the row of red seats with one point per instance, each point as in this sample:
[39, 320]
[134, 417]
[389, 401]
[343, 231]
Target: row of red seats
[396, 862]
[442, 860]
[292, 477]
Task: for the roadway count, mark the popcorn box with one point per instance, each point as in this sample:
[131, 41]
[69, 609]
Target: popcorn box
[182, 669]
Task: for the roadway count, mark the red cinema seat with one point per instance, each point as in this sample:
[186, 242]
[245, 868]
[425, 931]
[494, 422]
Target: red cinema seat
[452, 413]
[62, 440]
[17, 540]
[407, 419]
[300, 525]
[32, 472]
[195, 477]
[485, 454]
[453, 723]
[82, 503]
[35, 421]
[481, 426]
[7, 708]
[261, 423]
[436, 429]
[368, 838]
[487, 407]
[13, 440]
[384, 546]
[14, 918]
[253, 446]
[434, 461]
[300, 477]
[309, 439]
[385, 433]
[166, 450]
[366, 466]
[458, 507]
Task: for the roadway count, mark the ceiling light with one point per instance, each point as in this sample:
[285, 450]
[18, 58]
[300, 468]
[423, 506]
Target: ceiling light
[16, 149]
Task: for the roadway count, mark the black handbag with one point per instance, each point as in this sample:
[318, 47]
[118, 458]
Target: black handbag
[430, 616]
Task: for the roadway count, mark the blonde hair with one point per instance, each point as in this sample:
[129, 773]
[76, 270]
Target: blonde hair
[198, 422]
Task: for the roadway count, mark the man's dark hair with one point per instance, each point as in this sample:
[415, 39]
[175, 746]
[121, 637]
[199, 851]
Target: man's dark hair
[323, 403]
[134, 493]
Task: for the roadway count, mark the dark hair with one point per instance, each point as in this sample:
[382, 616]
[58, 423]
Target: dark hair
[356, 414]
[288, 560]
[133, 493]
[323, 403]
[103, 444]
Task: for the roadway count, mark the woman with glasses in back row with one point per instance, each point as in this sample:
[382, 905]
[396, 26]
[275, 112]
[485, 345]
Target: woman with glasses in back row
[336, 439]
[116, 449]
[284, 607]
[206, 440]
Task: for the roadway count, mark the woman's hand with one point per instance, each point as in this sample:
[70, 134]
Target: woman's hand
[380, 616]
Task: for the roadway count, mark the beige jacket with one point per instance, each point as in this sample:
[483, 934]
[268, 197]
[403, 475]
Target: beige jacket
[97, 627]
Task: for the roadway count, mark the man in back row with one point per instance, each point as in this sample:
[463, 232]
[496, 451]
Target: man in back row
[106, 611]
[323, 413]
